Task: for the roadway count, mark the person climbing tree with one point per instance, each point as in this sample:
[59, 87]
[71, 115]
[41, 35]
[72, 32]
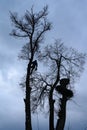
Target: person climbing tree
[34, 65]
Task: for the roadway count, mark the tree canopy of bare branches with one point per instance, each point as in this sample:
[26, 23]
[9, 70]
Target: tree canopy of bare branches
[62, 62]
[31, 26]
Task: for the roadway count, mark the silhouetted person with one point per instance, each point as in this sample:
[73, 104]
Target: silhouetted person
[34, 65]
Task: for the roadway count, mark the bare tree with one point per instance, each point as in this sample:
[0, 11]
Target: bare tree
[31, 26]
[67, 94]
[62, 63]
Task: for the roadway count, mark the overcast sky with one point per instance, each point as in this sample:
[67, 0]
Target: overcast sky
[69, 19]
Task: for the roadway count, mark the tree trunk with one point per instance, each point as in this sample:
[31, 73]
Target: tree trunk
[28, 125]
[61, 114]
[51, 107]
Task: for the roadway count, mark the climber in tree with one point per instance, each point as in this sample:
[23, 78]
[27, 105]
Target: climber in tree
[34, 65]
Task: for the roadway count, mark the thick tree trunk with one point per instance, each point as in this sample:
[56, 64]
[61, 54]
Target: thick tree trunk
[28, 111]
[51, 114]
[28, 125]
[61, 114]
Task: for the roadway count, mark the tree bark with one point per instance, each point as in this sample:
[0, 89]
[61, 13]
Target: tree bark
[61, 114]
[51, 107]
[28, 125]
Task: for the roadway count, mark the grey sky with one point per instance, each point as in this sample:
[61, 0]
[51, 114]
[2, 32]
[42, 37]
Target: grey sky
[69, 19]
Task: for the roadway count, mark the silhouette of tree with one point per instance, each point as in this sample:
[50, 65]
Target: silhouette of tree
[32, 26]
[67, 94]
[62, 62]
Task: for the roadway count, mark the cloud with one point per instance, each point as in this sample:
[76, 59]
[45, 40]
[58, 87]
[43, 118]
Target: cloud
[11, 102]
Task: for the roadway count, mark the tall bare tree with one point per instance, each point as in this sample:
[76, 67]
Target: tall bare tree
[62, 62]
[31, 26]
